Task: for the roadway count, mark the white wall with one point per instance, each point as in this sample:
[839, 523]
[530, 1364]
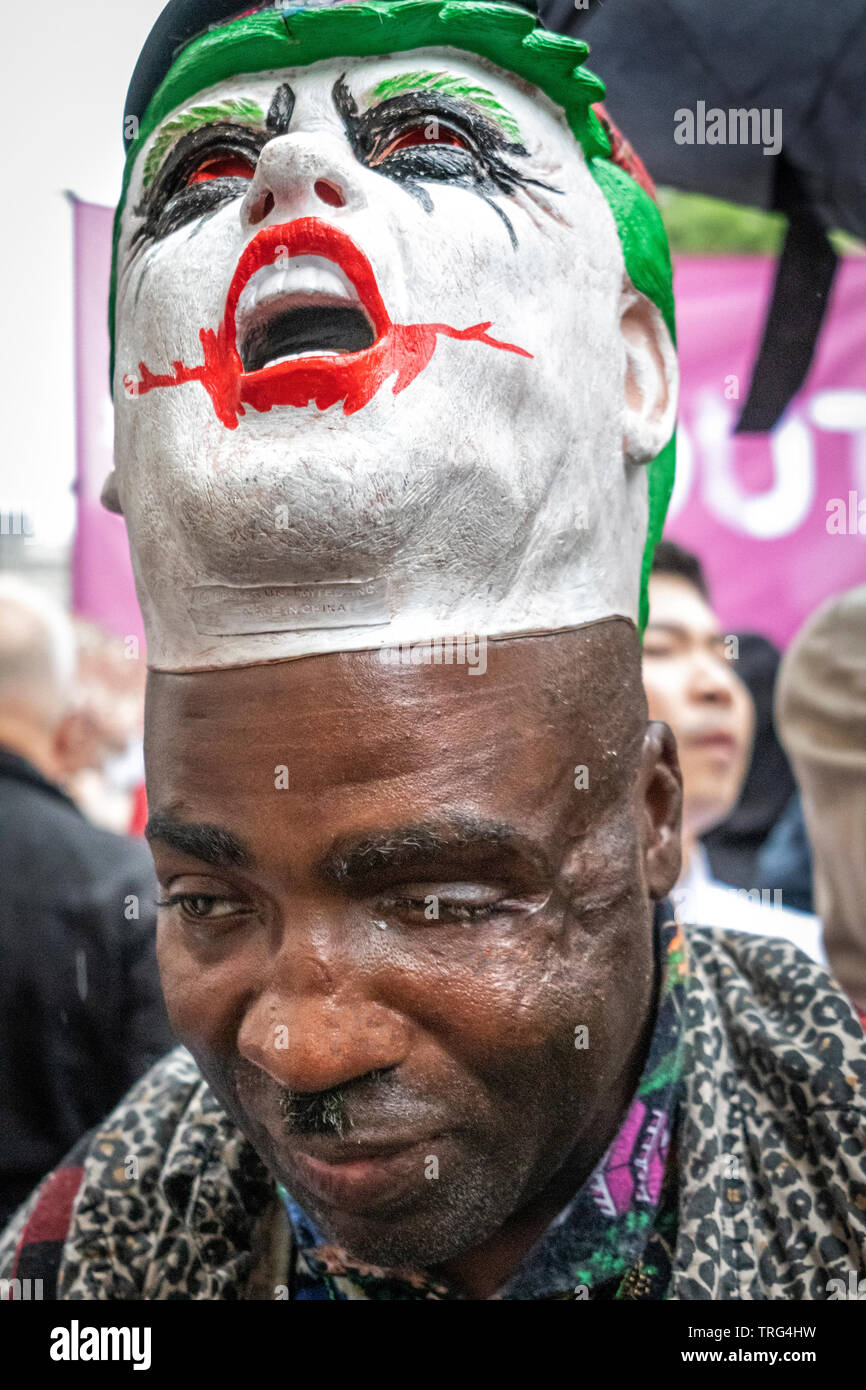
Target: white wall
[65, 71]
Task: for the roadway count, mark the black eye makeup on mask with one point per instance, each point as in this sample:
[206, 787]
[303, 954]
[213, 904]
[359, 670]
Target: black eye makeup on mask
[427, 136]
[415, 138]
[206, 168]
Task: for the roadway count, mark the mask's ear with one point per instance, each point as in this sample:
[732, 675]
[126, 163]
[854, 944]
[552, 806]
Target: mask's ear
[651, 377]
[110, 496]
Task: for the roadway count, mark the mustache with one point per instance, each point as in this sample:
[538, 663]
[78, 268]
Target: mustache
[326, 1112]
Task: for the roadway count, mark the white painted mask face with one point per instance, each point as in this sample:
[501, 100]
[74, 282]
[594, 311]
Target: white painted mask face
[380, 374]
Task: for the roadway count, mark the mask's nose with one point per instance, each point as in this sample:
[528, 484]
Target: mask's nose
[300, 176]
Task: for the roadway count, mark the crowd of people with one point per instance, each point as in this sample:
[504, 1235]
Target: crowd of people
[736, 706]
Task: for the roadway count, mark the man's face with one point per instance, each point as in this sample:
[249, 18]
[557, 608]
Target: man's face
[692, 686]
[367, 313]
[392, 900]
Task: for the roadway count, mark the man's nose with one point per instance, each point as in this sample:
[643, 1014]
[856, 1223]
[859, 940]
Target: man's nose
[301, 175]
[316, 1024]
[711, 681]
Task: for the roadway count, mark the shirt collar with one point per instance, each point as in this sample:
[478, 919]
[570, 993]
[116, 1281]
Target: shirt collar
[603, 1232]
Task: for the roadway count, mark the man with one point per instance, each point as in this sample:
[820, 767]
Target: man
[769, 798]
[394, 333]
[692, 684]
[81, 1011]
[821, 716]
[110, 770]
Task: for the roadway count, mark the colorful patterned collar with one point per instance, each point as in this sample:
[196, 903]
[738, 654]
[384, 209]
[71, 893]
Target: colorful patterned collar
[615, 1237]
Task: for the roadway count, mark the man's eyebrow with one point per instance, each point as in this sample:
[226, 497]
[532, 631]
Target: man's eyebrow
[209, 843]
[451, 86]
[236, 110]
[680, 630]
[414, 846]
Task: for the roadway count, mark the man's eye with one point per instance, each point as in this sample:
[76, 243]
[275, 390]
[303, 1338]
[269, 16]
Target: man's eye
[433, 909]
[658, 644]
[221, 166]
[417, 908]
[199, 907]
[429, 132]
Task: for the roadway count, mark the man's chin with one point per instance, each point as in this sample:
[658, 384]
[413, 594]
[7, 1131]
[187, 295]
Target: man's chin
[418, 1239]
[405, 1217]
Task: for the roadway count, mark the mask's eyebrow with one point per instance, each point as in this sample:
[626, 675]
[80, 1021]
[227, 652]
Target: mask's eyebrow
[282, 105]
[236, 110]
[210, 843]
[452, 86]
[461, 840]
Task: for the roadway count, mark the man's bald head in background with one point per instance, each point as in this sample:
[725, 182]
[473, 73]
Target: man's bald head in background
[37, 674]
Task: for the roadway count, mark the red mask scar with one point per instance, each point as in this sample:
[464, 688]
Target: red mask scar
[353, 378]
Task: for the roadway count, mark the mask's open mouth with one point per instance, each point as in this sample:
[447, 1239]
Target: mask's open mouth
[311, 328]
[297, 306]
[304, 321]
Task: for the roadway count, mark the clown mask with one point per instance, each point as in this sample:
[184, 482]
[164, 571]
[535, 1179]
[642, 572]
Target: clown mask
[380, 372]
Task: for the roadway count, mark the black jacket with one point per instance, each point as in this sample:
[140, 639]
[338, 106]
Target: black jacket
[81, 1009]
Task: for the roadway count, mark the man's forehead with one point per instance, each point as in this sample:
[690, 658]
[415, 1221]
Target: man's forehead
[675, 602]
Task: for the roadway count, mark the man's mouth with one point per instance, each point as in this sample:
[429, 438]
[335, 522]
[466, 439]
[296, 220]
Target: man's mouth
[719, 740]
[302, 305]
[360, 1178]
[305, 321]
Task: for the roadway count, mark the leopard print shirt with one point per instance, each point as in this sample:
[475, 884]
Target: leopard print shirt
[770, 1149]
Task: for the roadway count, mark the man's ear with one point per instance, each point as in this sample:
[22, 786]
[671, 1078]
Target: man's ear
[660, 792]
[651, 377]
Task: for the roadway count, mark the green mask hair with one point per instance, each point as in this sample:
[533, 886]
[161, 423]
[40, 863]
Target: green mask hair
[505, 36]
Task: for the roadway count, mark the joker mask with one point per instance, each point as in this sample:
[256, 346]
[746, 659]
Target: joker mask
[380, 371]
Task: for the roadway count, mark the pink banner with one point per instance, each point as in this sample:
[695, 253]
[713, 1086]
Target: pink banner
[773, 517]
[102, 583]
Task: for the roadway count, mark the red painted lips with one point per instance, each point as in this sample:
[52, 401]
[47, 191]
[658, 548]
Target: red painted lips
[351, 377]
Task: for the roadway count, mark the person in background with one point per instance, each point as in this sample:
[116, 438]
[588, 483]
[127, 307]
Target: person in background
[785, 857]
[81, 1009]
[107, 778]
[762, 841]
[821, 719]
[692, 685]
